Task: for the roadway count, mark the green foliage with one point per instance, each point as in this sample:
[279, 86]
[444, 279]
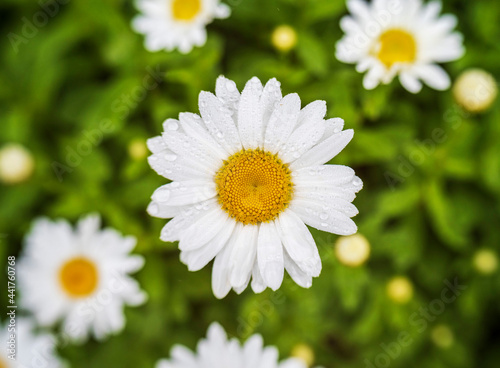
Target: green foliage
[427, 205]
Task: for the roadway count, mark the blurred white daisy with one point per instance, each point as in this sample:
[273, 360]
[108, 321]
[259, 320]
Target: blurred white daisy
[170, 24]
[27, 349]
[248, 175]
[79, 276]
[218, 351]
[405, 38]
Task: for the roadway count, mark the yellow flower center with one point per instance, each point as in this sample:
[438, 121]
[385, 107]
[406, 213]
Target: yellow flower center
[2, 364]
[396, 46]
[254, 186]
[78, 277]
[185, 10]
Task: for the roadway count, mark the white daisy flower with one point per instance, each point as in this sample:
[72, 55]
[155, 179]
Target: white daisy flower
[406, 38]
[79, 276]
[170, 24]
[248, 175]
[217, 351]
[22, 348]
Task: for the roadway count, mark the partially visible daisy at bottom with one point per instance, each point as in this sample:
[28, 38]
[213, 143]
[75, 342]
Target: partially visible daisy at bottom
[248, 175]
[176, 24]
[28, 349]
[79, 276]
[217, 351]
[406, 39]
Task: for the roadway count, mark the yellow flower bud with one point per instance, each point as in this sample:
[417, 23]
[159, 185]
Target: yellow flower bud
[352, 250]
[485, 261]
[304, 353]
[475, 90]
[284, 38]
[442, 336]
[400, 289]
[137, 149]
[16, 163]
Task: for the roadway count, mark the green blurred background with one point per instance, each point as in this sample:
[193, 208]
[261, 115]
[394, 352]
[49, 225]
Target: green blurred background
[81, 77]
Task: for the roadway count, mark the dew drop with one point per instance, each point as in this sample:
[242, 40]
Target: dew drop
[230, 86]
[170, 157]
[324, 224]
[172, 125]
[323, 216]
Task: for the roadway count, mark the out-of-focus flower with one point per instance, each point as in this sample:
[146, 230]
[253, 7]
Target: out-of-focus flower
[352, 250]
[243, 193]
[16, 163]
[485, 261]
[27, 348]
[137, 149]
[389, 38]
[304, 353]
[217, 351]
[475, 90]
[442, 336]
[79, 276]
[284, 38]
[400, 289]
[176, 24]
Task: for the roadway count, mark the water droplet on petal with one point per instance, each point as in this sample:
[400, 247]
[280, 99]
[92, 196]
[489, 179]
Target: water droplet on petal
[170, 157]
[323, 216]
[324, 224]
[172, 125]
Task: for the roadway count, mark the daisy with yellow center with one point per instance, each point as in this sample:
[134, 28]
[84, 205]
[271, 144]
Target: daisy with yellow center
[79, 276]
[176, 24]
[217, 350]
[406, 39]
[247, 176]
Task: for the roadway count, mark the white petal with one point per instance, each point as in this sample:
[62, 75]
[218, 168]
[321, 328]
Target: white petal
[204, 229]
[193, 150]
[315, 111]
[227, 92]
[243, 255]
[324, 151]
[270, 255]
[271, 95]
[258, 285]
[199, 258]
[218, 120]
[299, 243]
[282, 122]
[172, 230]
[434, 76]
[250, 124]
[156, 144]
[297, 275]
[184, 193]
[194, 127]
[410, 82]
[302, 139]
[327, 219]
[221, 268]
[176, 167]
